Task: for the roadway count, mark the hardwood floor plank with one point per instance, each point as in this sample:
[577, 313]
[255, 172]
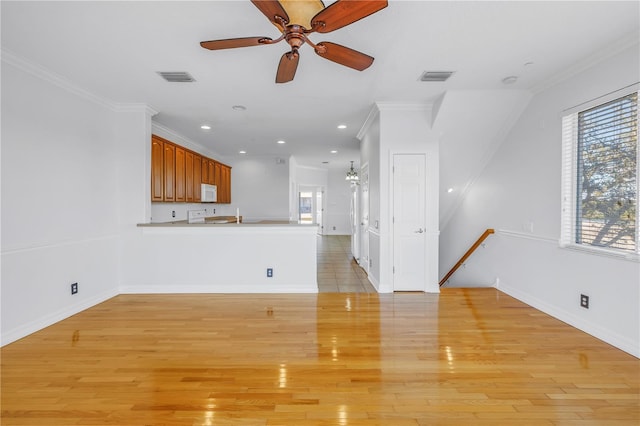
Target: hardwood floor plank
[466, 356]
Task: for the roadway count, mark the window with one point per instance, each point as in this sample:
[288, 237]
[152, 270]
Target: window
[600, 176]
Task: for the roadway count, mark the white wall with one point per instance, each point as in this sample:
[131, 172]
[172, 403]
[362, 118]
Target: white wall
[59, 200]
[221, 259]
[260, 188]
[337, 203]
[399, 128]
[520, 189]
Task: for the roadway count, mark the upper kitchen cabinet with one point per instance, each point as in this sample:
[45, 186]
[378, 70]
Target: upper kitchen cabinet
[181, 181]
[169, 164]
[176, 173]
[197, 178]
[223, 180]
[157, 170]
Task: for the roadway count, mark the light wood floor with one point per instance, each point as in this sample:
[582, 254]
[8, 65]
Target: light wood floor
[464, 357]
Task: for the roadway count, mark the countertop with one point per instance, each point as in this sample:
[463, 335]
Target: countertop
[211, 222]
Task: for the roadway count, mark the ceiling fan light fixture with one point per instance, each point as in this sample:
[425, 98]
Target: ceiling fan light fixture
[436, 76]
[352, 175]
[301, 11]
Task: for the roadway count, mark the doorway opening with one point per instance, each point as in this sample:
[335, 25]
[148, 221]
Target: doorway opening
[311, 207]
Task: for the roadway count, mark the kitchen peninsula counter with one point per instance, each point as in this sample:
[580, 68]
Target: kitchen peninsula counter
[213, 257]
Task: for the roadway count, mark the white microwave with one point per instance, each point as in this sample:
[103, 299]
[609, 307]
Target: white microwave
[208, 193]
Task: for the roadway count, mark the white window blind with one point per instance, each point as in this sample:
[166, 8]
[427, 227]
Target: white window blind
[600, 176]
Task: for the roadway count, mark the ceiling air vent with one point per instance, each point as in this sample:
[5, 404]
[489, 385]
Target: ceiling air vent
[177, 77]
[436, 75]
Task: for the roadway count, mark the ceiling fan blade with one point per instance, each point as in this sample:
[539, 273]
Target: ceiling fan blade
[231, 43]
[271, 9]
[344, 56]
[345, 12]
[287, 67]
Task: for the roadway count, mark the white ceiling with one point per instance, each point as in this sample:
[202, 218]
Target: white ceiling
[114, 49]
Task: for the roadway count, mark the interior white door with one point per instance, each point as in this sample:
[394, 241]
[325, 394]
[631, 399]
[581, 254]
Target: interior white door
[409, 231]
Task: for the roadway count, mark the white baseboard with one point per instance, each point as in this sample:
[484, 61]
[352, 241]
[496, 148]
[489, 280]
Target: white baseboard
[40, 323]
[594, 330]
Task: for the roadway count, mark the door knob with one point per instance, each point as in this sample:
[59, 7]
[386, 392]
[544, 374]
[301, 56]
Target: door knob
[419, 231]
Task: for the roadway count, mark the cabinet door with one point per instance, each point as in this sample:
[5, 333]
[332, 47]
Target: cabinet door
[157, 170]
[169, 171]
[188, 177]
[197, 180]
[226, 183]
[180, 174]
[204, 175]
[212, 172]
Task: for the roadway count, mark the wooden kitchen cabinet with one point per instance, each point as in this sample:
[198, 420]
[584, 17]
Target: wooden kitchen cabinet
[169, 160]
[176, 173]
[157, 170]
[211, 166]
[226, 183]
[181, 195]
[223, 181]
[197, 180]
[188, 177]
[204, 170]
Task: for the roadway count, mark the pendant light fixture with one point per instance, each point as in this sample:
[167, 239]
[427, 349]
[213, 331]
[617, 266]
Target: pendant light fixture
[352, 175]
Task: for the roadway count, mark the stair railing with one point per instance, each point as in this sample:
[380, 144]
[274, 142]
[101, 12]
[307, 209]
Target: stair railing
[473, 248]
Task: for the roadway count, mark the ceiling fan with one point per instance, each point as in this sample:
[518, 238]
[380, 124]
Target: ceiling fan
[298, 18]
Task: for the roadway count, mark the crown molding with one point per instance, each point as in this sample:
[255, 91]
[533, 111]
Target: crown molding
[136, 108]
[38, 71]
[622, 44]
[374, 112]
[403, 106]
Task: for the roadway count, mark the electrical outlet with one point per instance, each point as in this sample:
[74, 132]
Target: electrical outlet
[173, 213]
[269, 272]
[584, 301]
[74, 288]
[214, 211]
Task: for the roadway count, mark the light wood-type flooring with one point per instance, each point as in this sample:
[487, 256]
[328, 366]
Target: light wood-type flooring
[463, 357]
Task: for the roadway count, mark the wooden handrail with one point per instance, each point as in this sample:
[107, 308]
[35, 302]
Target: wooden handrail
[467, 254]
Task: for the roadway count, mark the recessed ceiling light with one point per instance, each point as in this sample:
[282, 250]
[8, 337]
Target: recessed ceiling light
[334, 152]
[342, 126]
[281, 142]
[242, 152]
[510, 80]
[450, 190]
[239, 107]
[325, 162]
[205, 127]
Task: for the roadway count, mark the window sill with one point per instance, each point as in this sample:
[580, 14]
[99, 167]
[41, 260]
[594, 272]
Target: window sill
[633, 257]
